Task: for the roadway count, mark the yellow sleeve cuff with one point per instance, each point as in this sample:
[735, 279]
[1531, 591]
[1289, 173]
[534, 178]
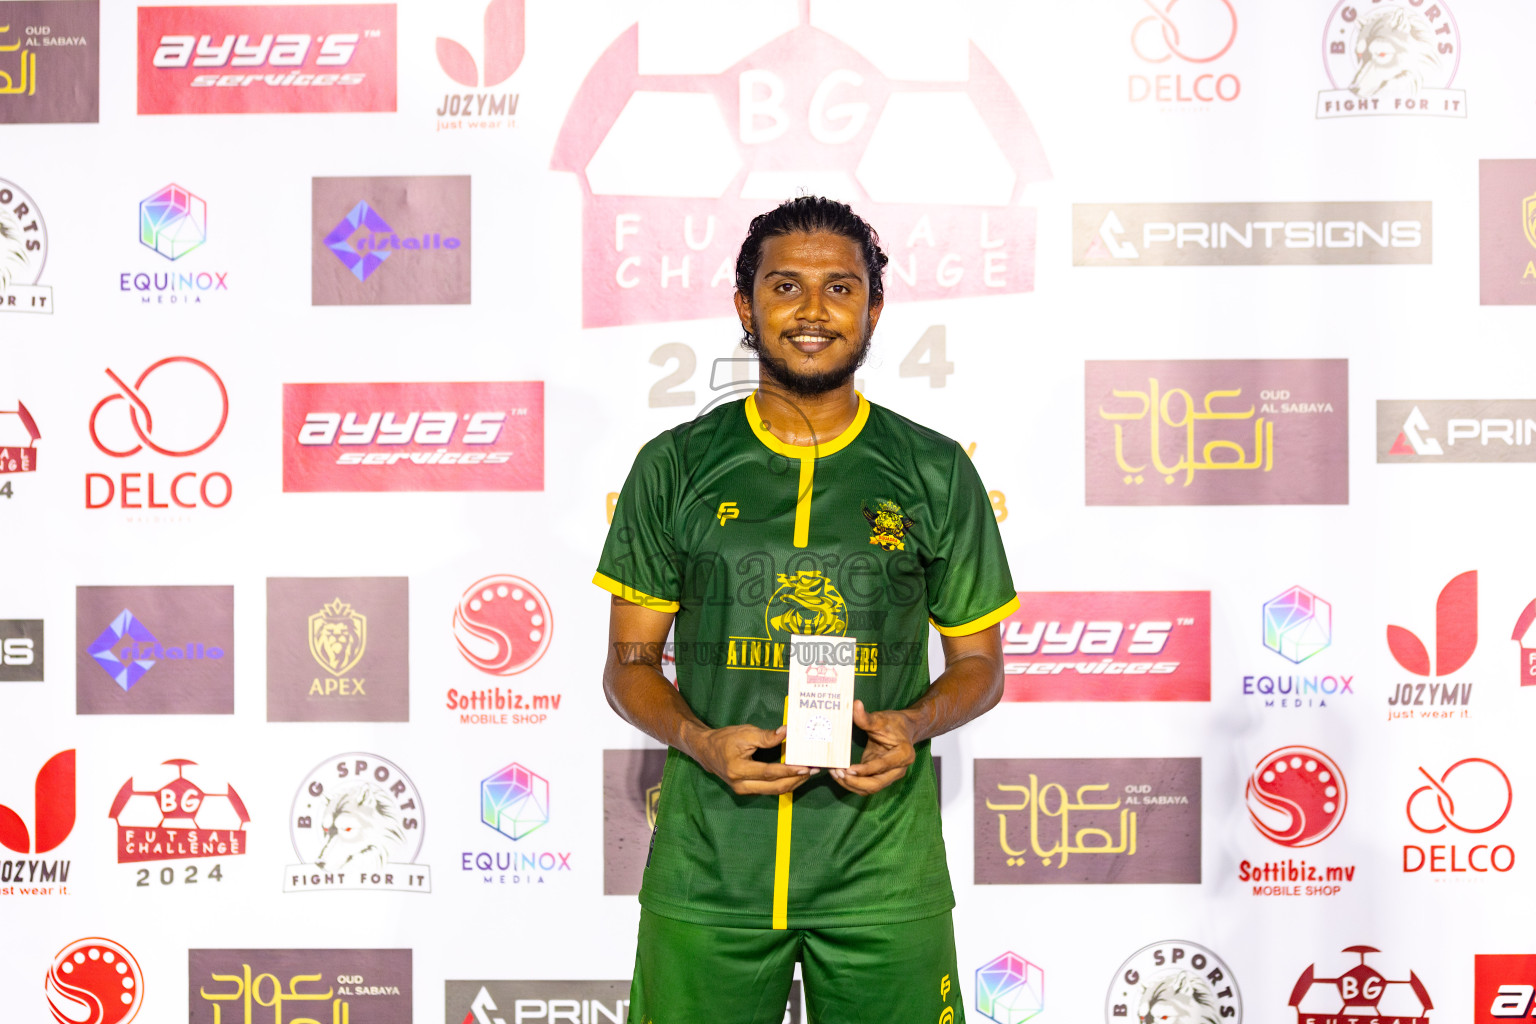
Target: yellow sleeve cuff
[977, 625]
[633, 596]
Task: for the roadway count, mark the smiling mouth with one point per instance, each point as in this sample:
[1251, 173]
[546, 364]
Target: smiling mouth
[810, 342]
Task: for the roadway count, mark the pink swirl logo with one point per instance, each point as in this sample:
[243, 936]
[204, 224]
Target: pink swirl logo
[1296, 796]
[94, 981]
[1195, 31]
[502, 625]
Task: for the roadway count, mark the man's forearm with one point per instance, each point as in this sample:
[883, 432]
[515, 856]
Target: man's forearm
[969, 686]
[644, 698]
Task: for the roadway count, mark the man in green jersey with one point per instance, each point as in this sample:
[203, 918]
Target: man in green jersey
[803, 510]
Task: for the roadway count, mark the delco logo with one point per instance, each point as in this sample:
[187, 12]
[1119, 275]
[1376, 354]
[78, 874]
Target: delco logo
[414, 437]
[266, 59]
[289, 50]
[1072, 646]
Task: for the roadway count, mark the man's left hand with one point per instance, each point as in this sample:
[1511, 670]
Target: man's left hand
[887, 753]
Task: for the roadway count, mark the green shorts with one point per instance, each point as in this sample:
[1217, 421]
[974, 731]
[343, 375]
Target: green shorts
[870, 974]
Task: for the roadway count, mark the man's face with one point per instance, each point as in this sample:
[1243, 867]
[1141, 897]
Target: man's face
[810, 311]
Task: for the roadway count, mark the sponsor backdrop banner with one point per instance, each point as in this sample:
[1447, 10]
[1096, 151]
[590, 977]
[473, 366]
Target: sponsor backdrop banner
[329, 332]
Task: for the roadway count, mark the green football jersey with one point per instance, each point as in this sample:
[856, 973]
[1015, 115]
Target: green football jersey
[749, 540]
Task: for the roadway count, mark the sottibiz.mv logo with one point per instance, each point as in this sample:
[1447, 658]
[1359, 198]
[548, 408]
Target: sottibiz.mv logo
[95, 981]
[266, 59]
[805, 109]
[469, 436]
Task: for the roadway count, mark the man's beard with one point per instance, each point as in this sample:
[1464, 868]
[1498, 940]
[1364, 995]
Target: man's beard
[777, 371]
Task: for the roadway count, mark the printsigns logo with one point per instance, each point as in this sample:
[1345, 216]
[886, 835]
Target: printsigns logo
[189, 650]
[21, 650]
[419, 226]
[1087, 820]
[95, 981]
[1504, 989]
[1524, 635]
[334, 985]
[1360, 993]
[1171, 980]
[280, 58]
[23, 253]
[1471, 430]
[357, 823]
[659, 233]
[1195, 34]
[1393, 57]
[1217, 432]
[1108, 646]
[175, 817]
[549, 1002]
[1249, 234]
[1473, 796]
[466, 436]
[503, 625]
[18, 443]
[1009, 989]
[338, 649]
[631, 794]
[50, 61]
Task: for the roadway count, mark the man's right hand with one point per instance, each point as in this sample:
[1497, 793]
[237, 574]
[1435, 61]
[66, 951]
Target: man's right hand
[727, 753]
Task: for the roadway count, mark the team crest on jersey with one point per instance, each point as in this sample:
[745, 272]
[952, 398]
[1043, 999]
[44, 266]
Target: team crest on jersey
[888, 524]
[806, 604]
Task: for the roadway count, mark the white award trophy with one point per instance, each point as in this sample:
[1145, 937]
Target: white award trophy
[820, 712]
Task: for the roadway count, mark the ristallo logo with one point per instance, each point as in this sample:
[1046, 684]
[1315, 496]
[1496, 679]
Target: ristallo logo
[1108, 646]
[280, 58]
[53, 818]
[1190, 36]
[1455, 640]
[1473, 797]
[23, 253]
[154, 650]
[1504, 987]
[95, 981]
[390, 241]
[177, 407]
[1360, 993]
[1396, 57]
[466, 436]
[503, 40]
[803, 110]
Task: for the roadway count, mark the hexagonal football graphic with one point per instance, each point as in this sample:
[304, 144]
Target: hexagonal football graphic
[514, 801]
[173, 222]
[1010, 989]
[1298, 624]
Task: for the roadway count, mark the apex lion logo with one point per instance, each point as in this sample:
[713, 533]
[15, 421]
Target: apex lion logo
[1396, 50]
[337, 636]
[806, 604]
[888, 524]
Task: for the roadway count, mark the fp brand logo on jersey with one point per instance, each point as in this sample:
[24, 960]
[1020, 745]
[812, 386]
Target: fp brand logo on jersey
[727, 510]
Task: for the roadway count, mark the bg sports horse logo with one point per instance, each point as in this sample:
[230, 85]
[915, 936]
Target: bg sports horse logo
[357, 823]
